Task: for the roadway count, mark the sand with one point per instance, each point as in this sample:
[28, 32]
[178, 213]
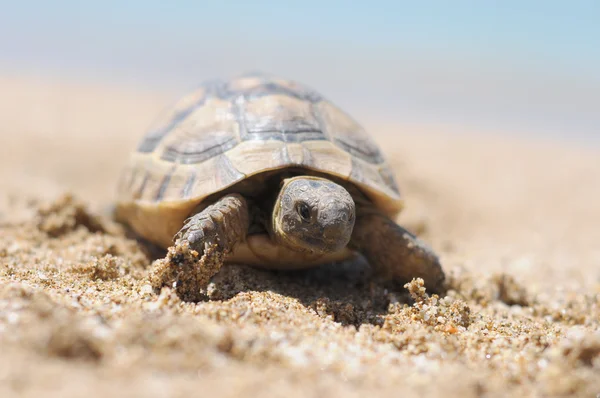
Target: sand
[515, 222]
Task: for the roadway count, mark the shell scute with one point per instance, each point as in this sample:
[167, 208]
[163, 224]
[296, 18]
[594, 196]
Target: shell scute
[349, 134]
[167, 121]
[279, 117]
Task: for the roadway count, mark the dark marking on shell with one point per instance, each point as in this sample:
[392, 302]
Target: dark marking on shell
[347, 133]
[211, 88]
[154, 137]
[226, 172]
[389, 179]
[285, 153]
[320, 120]
[164, 184]
[365, 173]
[189, 184]
[224, 91]
[138, 193]
[361, 148]
[278, 118]
[197, 151]
[285, 136]
[272, 88]
[223, 174]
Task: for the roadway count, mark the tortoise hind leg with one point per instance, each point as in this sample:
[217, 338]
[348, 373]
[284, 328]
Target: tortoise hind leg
[394, 253]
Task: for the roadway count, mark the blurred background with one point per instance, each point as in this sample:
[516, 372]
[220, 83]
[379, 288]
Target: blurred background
[489, 112]
[512, 66]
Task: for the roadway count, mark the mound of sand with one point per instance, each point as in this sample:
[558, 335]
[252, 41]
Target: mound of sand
[515, 223]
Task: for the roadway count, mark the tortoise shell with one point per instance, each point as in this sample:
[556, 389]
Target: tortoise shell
[225, 132]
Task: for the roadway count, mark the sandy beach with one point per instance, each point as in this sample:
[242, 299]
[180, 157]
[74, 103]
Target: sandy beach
[515, 221]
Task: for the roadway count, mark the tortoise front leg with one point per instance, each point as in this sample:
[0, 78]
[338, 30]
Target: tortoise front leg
[200, 247]
[224, 224]
[394, 253]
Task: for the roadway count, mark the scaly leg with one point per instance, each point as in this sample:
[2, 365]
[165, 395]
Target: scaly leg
[224, 223]
[394, 253]
[212, 233]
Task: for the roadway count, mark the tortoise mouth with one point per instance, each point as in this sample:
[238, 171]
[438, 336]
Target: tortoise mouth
[314, 245]
[324, 245]
[311, 244]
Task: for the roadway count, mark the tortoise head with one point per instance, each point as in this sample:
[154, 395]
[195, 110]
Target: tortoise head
[313, 214]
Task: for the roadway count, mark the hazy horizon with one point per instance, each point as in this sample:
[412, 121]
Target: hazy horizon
[520, 67]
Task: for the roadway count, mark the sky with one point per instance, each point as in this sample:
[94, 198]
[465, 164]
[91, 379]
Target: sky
[510, 65]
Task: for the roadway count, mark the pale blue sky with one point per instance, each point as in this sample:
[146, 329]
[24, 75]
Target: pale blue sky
[511, 64]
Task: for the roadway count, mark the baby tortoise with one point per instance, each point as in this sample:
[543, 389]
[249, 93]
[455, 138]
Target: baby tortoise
[276, 176]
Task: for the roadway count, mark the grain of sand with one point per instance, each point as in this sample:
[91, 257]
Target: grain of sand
[514, 221]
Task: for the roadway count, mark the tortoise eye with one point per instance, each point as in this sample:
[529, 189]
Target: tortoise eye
[304, 211]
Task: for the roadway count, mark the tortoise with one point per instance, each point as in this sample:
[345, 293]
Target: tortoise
[276, 176]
